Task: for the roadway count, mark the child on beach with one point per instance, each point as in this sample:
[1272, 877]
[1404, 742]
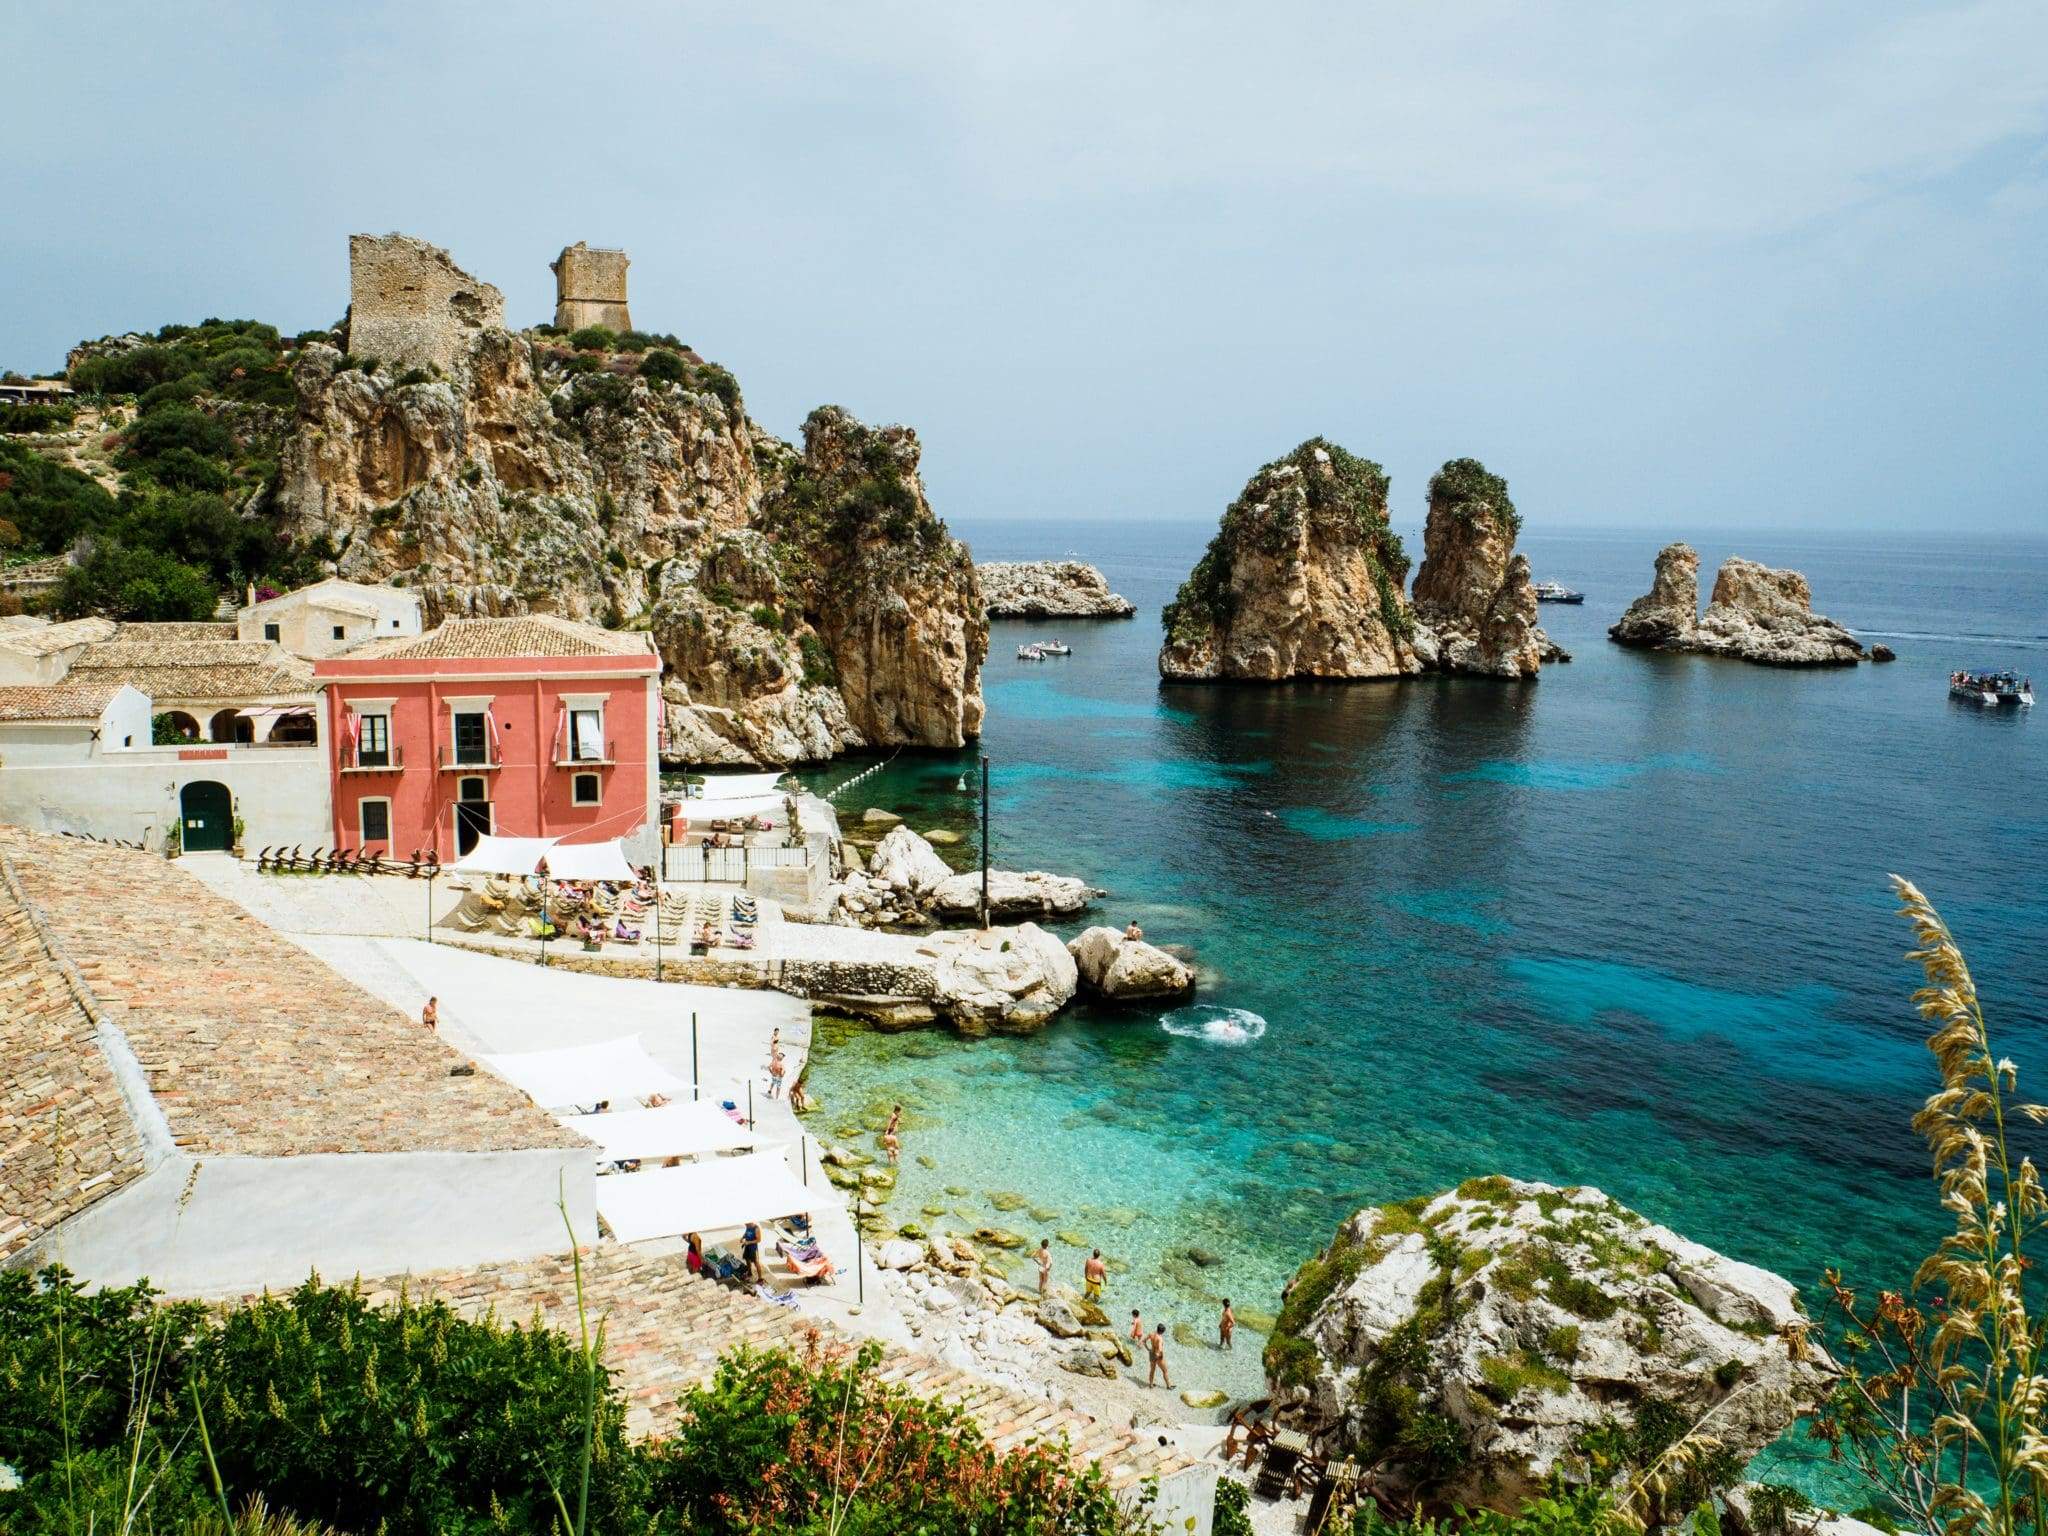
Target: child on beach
[1043, 1259]
[1226, 1325]
[1137, 1327]
[431, 1014]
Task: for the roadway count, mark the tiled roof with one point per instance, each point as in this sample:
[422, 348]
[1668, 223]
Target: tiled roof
[250, 1045]
[73, 699]
[46, 639]
[179, 629]
[66, 1138]
[665, 1330]
[533, 634]
[170, 667]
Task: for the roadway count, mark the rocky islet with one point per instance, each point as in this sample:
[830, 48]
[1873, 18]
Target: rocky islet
[1755, 613]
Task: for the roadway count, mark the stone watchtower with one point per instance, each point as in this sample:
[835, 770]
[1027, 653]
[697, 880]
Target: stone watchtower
[409, 304]
[590, 288]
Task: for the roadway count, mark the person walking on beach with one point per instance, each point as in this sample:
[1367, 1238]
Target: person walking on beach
[892, 1137]
[431, 1014]
[1137, 1327]
[1093, 1273]
[775, 1071]
[1155, 1350]
[1226, 1326]
[1043, 1259]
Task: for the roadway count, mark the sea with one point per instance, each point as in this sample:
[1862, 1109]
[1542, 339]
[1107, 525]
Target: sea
[1625, 926]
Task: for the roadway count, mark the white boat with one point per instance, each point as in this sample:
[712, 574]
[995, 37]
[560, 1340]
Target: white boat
[1030, 653]
[1997, 690]
[1054, 648]
[1556, 592]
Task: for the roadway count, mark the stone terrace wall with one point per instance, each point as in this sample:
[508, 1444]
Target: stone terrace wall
[590, 288]
[409, 304]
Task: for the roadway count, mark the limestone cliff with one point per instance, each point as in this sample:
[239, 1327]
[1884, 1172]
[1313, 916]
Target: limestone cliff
[1755, 614]
[1474, 594]
[805, 602]
[1303, 579]
[1049, 589]
[1664, 617]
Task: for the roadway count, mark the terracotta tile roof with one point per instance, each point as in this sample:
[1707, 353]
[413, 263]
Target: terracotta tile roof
[172, 667]
[533, 634]
[192, 629]
[66, 1138]
[250, 1045]
[46, 639]
[72, 699]
[665, 1330]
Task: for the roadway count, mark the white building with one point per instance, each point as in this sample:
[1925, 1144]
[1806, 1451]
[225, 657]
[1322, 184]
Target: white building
[330, 617]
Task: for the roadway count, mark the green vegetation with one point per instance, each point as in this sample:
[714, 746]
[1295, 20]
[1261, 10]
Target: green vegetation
[1466, 489]
[1562, 1510]
[239, 360]
[596, 391]
[1508, 1376]
[35, 417]
[123, 1414]
[665, 365]
[594, 338]
[120, 582]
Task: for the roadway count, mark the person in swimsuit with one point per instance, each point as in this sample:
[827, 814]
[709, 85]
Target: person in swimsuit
[1093, 1274]
[892, 1137]
[750, 1252]
[1137, 1327]
[1155, 1352]
[431, 1014]
[1043, 1259]
[775, 1071]
[1226, 1325]
[696, 1255]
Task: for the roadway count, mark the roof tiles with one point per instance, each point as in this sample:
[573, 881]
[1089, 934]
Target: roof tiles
[533, 634]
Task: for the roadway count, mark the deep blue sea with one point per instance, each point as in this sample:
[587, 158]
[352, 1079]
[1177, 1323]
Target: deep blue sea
[1624, 926]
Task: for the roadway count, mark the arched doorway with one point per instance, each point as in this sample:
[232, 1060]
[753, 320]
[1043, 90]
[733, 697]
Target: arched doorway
[297, 727]
[231, 725]
[208, 813]
[171, 727]
[472, 814]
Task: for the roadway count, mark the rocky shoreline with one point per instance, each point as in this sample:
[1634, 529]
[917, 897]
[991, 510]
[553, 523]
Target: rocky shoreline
[1048, 589]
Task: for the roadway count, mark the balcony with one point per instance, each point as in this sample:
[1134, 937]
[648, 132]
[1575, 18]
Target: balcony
[453, 761]
[575, 763]
[390, 761]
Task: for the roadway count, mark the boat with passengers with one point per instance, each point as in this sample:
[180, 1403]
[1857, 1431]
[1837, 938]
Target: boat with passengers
[2003, 689]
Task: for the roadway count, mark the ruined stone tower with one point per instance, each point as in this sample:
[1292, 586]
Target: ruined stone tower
[410, 305]
[590, 288]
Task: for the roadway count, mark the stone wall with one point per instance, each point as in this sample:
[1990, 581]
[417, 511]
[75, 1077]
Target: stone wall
[590, 288]
[409, 304]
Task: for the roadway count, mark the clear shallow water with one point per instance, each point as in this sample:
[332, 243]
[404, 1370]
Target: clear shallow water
[1627, 926]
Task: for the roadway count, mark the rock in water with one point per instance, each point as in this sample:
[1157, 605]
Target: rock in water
[1303, 579]
[1030, 893]
[1048, 589]
[1510, 1318]
[1474, 592]
[906, 861]
[1008, 981]
[804, 602]
[1665, 617]
[1127, 970]
[1883, 653]
[1765, 615]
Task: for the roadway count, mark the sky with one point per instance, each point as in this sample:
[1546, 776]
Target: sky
[1689, 265]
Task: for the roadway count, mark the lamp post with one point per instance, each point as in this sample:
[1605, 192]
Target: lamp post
[984, 842]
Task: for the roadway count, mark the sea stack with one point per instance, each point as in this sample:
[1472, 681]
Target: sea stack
[1303, 579]
[1755, 614]
[1475, 601]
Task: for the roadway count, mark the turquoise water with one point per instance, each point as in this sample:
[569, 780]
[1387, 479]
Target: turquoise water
[1627, 926]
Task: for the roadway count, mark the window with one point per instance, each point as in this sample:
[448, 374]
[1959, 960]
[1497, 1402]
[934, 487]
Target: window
[373, 743]
[586, 735]
[472, 738]
[340, 632]
[394, 623]
[376, 820]
[588, 790]
[270, 632]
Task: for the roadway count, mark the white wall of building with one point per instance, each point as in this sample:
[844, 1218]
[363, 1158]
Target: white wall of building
[216, 1226]
[54, 783]
[306, 620]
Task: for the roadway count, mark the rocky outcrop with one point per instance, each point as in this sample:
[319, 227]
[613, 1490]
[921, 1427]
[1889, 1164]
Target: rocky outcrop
[908, 863]
[805, 602]
[1125, 970]
[1764, 615]
[1048, 589]
[1664, 617]
[1755, 614]
[1512, 1318]
[1303, 579]
[1006, 982]
[1011, 893]
[1474, 593]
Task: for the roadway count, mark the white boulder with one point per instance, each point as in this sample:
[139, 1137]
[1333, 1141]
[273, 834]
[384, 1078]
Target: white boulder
[1127, 970]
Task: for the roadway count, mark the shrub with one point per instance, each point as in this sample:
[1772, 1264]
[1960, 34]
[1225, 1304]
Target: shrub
[594, 338]
[182, 469]
[597, 391]
[717, 381]
[140, 584]
[660, 363]
[35, 417]
[50, 505]
[177, 426]
[1232, 1514]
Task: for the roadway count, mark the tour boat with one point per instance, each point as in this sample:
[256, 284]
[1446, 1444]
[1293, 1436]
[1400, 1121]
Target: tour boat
[1553, 592]
[2002, 689]
[1054, 648]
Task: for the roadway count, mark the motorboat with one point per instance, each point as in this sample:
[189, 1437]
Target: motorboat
[1030, 653]
[1054, 648]
[1556, 592]
[2003, 689]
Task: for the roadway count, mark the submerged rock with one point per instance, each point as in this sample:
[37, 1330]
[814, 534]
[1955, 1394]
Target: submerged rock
[1664, 617]
[1048, 589]
[1517, 1317]
[1474, 593]
[1303, 579]
[1127, 970]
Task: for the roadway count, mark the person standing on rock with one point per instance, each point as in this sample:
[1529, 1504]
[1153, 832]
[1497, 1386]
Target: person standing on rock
[1226, 1326]
[1043, 1259]
[1155, 1351]
[1093, 1274]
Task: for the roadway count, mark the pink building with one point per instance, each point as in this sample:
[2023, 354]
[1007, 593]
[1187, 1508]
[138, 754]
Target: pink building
[523, 727]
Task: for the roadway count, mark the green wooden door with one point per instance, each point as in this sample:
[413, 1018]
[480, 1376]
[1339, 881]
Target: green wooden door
[209, 816]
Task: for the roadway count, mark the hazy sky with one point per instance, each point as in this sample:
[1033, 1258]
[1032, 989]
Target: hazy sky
[1680, 263]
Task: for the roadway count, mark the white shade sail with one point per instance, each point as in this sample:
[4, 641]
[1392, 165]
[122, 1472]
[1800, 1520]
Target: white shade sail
[673, 1130]
[504, 856]
[701, 811]
[724, 1193]
[737, 786]
[587, 1074]
[589, 861]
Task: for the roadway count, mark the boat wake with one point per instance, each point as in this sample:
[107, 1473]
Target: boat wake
[1959, 639]
[1216, 1024]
